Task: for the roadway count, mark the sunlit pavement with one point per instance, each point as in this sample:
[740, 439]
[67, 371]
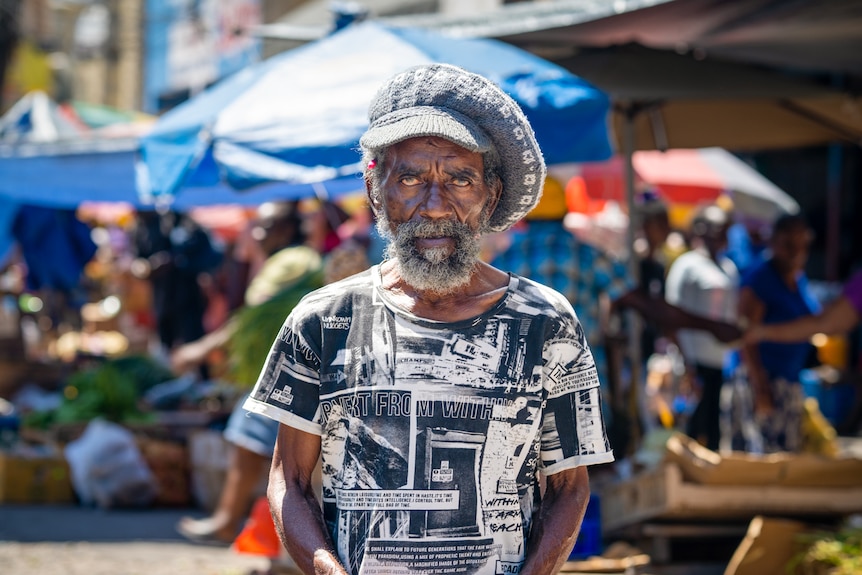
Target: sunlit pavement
[72, 540]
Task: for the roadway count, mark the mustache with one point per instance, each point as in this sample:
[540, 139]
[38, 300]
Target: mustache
[434, 229]
[433, 269]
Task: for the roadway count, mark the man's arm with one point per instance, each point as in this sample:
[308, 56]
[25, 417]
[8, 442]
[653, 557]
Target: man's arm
[193, 354]
[557, 522]
[671, 317]
[294, 506]
[839, 318]
[751, 310]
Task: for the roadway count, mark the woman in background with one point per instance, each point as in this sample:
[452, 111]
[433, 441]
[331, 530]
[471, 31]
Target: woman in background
[775, 292]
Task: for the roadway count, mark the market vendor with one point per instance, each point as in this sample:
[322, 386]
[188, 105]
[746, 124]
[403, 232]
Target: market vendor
[840, 317]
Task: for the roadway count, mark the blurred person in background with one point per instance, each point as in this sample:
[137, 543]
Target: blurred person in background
[662, 320]
[775, 291]
[172, 251]
[704, 282]
[840, 316]
[289, 271]
[652, 266]
[542, 249]
[302, 251]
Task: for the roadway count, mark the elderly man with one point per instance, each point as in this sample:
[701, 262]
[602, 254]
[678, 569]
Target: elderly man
[453, 406]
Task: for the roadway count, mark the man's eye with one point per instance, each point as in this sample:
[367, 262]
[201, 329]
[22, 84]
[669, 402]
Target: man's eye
[410, 180]
[461, 182]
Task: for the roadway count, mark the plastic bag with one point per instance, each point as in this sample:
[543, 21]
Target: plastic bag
[108, 469]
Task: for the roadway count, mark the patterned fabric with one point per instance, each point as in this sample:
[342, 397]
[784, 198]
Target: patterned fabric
[549, 254]
[743, 430]
[433, 434]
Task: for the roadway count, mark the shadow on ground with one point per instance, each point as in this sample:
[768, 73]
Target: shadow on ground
[50, 523]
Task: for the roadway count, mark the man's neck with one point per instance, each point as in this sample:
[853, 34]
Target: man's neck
[486, 287]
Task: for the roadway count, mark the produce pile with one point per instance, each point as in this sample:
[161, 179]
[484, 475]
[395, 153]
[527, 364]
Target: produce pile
[837, 553]
[111, 391]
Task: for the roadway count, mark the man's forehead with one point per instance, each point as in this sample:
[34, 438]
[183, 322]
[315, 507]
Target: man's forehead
[430, 146]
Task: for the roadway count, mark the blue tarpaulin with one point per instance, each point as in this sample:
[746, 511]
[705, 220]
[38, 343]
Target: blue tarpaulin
[284, 127]
[63, 176]
[297, 117]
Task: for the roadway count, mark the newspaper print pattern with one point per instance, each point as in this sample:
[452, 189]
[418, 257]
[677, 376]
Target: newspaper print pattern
[432, 434]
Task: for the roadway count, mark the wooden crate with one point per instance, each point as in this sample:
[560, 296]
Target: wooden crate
[663, 494]
[169, 463]
[29, 478]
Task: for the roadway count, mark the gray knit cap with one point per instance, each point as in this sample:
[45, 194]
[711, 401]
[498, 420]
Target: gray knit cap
[471, 111]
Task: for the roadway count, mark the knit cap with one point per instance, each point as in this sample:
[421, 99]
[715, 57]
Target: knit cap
[469, 110]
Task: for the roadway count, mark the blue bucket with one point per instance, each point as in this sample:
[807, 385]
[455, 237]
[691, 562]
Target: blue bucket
[589, 541]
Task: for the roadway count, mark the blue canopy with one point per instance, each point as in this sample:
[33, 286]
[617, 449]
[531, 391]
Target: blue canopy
[296, 118]
[65, 174]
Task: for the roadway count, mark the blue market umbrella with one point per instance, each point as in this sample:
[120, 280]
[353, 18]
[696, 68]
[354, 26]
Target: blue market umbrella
[296, 118]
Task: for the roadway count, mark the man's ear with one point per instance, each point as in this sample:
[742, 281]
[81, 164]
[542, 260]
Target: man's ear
[372, 201]
[494, 199]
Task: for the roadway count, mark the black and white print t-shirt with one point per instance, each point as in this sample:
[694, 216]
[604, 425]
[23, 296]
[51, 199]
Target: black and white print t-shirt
[432, 434]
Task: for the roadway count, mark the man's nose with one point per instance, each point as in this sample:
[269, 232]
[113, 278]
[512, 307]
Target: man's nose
[435, 203]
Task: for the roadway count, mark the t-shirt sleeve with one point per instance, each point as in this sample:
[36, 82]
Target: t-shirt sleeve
[288, 389]
[853, 291]
[673, 285]
[573, 428]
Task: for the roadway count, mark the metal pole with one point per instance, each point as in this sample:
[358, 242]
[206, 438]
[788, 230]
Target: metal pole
[629, 180]
[632, 319]
[833, 211]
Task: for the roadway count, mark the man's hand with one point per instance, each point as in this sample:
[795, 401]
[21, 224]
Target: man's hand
[753, 335]
[725, 332]
[559, 519]
[188, 356]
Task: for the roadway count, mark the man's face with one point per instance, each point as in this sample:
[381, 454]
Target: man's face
[656, 229]
[434, 203]
[716, 237]
[790, 249]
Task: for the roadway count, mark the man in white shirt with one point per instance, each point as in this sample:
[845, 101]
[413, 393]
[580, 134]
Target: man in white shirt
[705, 282]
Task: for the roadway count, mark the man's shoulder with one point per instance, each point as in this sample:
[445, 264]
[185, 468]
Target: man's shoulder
[688, 260]
[689, 257]
[334, 295]
[538, 294]
[758, 274]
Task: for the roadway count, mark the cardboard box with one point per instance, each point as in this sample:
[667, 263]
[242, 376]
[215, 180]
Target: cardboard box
[26, 478]
[701, 465]
[768, 547]
[663, 493]
[169, 464]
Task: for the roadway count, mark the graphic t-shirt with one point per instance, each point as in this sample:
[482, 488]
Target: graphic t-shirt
[433, 434]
